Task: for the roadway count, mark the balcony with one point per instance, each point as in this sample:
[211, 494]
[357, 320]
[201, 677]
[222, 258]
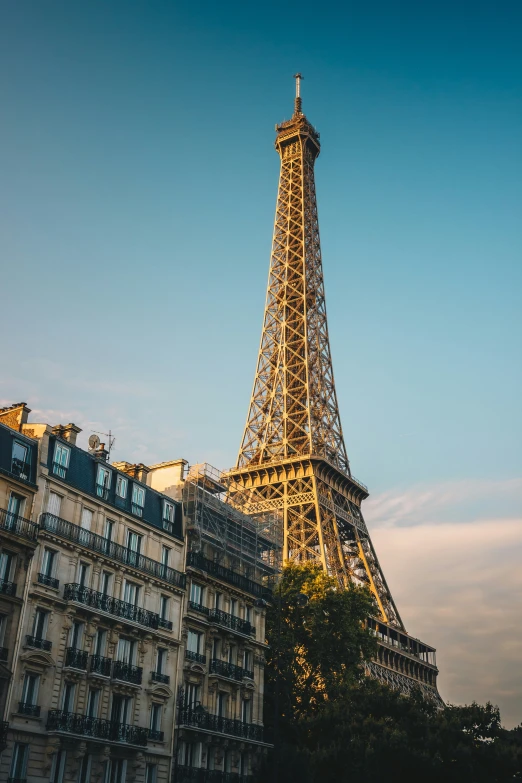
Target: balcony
[110, 605]
[197, 560]
[226, 669]
[100, 665]
[195, 775]
[13, 523]
[76, 659]
[195, 607]
[40, 644]
[195, 656]
[3, 654]
[7, 588]
[59, 470]
[121, 554]
[33, 710]
[165, 624]
[49, 581]
[248, 674]
[21, 469]
[159, 677]
[127, 672]
[231, 621]
[98, 728]
[198, 718]
[155, 735]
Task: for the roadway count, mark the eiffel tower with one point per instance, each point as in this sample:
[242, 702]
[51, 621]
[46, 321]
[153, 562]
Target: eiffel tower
[292, 459]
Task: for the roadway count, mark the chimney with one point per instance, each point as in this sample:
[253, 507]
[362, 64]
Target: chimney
[15, 416]
[101, 453]
[138, 471]
[70, 433]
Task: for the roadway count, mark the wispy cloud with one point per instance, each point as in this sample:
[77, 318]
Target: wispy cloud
[458, 584]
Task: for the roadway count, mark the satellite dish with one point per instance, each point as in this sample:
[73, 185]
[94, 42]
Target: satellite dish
[94, 442]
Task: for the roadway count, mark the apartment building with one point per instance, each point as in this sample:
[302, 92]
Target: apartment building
[231, 558]
[99, 611]
[18, 539]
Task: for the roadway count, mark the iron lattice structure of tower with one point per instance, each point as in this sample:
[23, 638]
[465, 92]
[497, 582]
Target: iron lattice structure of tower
[293, 460]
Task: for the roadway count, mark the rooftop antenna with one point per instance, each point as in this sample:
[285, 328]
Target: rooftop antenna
[298, 102]
[108, 435]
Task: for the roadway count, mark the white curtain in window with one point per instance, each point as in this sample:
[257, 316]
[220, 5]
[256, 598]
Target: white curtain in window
[54, 504]
[86, 521]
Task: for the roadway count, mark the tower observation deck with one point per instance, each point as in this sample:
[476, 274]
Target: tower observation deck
[293, 460]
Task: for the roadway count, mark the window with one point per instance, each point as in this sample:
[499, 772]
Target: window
[134, 546]
[40, 624]
[7, 561]
[248, 614]
[232, 654]
[93, 700]
[117, 769]
[246, 710]
[103, 482]
[194, 641]
[196, 593]
[247, 660]
[216, 649]
[233, 607]
[20, 460]
[19, 761]
[68, 697]
[221, 706]
[83, 575]
[61, 459]
[138, 500]
[126, 650]
[109, 530]
[86, 520]
[165, 555]
[54, 504]
[30, 688]
[168, 516]
[106, 583]
[3, 621]
[121, 708]
[58, 768]
[76, 635]
[121, 487]
[101, 639]
[161, 657]
[48, 562]
[84, 773]
[151, 773]
[155, 717]
[218, 597]
[131, 592]
[192, 695]
[15, 508]
[164, 607]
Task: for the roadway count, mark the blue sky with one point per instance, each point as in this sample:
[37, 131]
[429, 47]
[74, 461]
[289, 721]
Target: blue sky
[136, 207]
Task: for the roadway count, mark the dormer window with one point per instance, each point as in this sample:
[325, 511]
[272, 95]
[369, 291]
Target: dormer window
[121, 490]
[168, 516]
[103, 482]
[138, 500]
[61, 459]
[20, 460]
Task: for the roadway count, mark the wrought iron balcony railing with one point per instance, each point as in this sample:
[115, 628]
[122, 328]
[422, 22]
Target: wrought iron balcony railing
[40, 644]
[100, 665]
[106, 603]
[24, 708]
[195, 656]
[13, 523]
[3, 654]
[166, 624]
[197, 560]
[231, 621]
[49, 581]
[21, 469]
[127, 672]
[186, 774]
[155, 735]
[76, 659]
[96, 543]
[200, 719]
[160, 677]
[195, 607]
[111, 731]
[248, 674]
[226, 669]
[7, 588]
[59, 470]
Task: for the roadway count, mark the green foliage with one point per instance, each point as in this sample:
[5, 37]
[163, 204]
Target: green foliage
[333, 724]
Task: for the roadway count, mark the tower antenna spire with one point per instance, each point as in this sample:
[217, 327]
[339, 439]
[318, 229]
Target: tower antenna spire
[298, 102]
